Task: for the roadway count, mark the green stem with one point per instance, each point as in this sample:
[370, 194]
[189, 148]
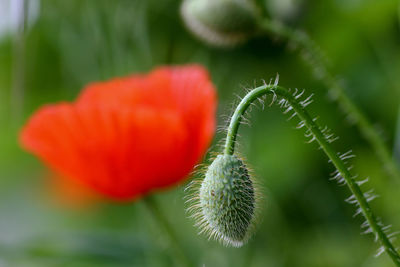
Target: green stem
[160, 218]
[18, 71]
[315, 59]
[396, 148]
[325, 145]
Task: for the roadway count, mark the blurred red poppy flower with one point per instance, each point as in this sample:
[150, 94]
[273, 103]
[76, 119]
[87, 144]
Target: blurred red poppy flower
[128, 136]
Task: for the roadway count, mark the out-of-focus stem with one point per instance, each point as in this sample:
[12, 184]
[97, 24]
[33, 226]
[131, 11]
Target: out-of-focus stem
[159, 217]
[18, 78]
[396, 148]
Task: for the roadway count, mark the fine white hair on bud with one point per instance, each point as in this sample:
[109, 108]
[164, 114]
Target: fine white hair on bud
[222, 23]
[226, 201]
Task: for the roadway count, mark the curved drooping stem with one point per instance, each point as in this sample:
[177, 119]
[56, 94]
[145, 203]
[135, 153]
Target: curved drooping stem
[316, 132]
[314, 58]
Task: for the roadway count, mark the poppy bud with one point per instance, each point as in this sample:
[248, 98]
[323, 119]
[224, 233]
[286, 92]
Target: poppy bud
[227, 200]
[220, 22]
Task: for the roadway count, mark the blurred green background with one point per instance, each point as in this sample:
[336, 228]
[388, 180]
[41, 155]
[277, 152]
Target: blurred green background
[305, 221]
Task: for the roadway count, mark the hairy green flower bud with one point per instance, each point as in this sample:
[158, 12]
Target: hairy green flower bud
[220, 22]
[227, 200]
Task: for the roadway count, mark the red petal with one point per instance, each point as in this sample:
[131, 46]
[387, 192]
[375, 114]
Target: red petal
[187, 90]
[122, 153]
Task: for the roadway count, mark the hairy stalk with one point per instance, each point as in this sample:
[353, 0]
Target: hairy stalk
[314, 58]
[162, 221]
[292, 102]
